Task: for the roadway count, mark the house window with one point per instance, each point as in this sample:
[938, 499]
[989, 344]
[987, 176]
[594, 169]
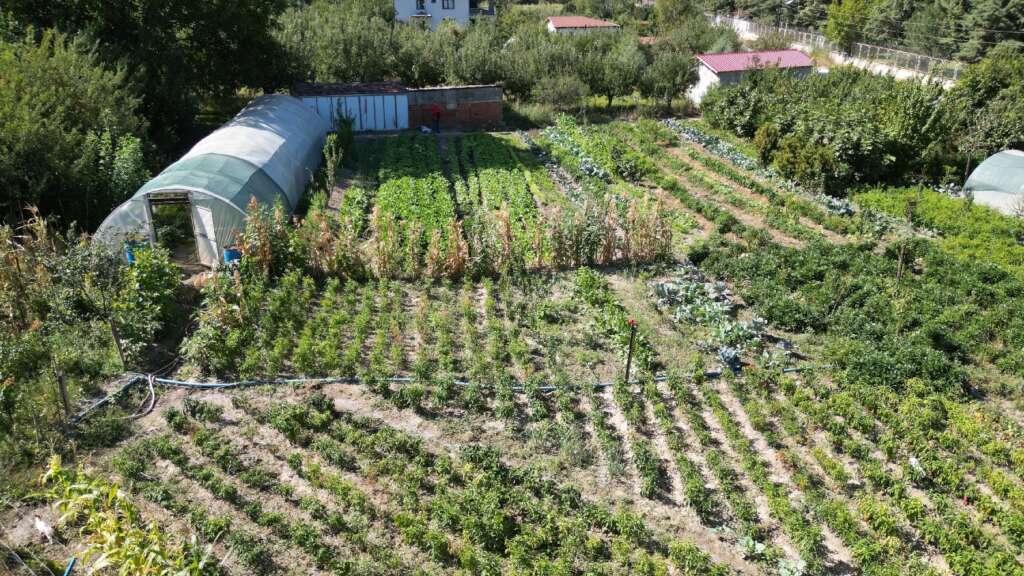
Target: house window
[448, 4]
[421, 4]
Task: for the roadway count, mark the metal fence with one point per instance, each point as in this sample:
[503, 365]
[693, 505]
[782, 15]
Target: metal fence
[862, 55]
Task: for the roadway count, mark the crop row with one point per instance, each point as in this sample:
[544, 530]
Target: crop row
[876, 542]
[938, 471]
[727, 151]
[777, 216]
[503, 515]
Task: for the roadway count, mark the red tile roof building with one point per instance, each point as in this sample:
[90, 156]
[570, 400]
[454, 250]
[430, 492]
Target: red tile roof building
[730, 67]
[578, 24]
[736, 61]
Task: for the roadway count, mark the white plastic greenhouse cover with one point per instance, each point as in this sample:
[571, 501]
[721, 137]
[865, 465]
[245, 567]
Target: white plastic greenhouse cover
[999, 181]
[268, 152]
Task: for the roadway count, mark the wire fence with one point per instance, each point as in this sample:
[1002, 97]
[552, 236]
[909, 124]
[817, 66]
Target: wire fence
[879, 58]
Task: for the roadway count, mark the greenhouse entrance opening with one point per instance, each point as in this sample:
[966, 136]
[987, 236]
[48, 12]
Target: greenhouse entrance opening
[177, 227]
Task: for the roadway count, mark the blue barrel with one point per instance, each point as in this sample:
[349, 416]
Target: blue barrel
[232, 255]
[130, 247]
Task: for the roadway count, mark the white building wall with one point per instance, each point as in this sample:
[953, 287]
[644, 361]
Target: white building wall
[459, 11]
[706, 79]
[369, 112]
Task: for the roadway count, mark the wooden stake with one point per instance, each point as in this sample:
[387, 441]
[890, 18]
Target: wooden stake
[632, 340]
[117, 342]
[62, 387]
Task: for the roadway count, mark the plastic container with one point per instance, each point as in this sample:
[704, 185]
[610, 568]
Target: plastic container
[130, 247]
[232, 255]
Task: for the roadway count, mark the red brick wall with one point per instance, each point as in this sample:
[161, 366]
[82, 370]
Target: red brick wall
[465, 115]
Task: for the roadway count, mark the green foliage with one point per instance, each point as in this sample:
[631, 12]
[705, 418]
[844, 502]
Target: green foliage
[166, 48]
[830, 131]
[112, 530]
[565, 92]
[845, 22]
[886, 328]
[146, 300]
[969, 231]
[61, 296]
[670, 75]
[70, 130]
[987, 102]
[349, 42]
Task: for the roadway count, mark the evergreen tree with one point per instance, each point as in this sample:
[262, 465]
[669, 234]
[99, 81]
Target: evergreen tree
[885, 21]
[989, 23]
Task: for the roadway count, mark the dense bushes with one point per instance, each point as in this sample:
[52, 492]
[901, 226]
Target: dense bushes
[911, 314]
[988, 102]
[69, 131]
[969, 231]
[61, 301]
[832, 130]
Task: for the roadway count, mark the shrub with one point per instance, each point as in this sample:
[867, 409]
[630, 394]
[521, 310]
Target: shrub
[564, 92]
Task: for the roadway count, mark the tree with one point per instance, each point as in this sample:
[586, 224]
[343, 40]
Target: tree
[989, 23]
[668, 76]
[884, 24]
[670, 13]
[770, 41]
[697, 35]
[178, 51]
[478, 58]
[935, 28]
[845, 22]
[623, 68]
[330, 42]
[567, 93]
[69, 130]
[987, 105]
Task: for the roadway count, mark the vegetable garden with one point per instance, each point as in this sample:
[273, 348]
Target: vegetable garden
[815, 387]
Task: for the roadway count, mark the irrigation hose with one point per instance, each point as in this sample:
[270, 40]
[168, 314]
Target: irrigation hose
[152, 380]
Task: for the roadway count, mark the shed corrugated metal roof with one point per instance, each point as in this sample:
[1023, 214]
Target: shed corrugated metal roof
[736, 61]
[334, 89]
[579, 22]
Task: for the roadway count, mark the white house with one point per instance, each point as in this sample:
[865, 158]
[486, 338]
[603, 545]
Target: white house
[578, 24]
[730, 67]
[433, 12]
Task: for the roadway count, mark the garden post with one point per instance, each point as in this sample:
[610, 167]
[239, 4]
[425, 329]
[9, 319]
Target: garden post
[62, 387]
[117, 342]
[632, 340]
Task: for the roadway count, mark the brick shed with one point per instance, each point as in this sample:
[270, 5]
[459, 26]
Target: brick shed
[462, 107]
[387, 106]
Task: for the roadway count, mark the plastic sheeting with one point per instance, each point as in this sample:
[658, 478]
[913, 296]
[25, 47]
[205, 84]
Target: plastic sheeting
[999, 181]
[267, 153]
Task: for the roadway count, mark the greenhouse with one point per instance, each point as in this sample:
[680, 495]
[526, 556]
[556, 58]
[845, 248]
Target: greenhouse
[267, 153]
[998, 182]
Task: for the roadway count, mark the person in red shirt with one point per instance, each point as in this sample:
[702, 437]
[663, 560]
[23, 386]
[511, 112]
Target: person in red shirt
[435, 113]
